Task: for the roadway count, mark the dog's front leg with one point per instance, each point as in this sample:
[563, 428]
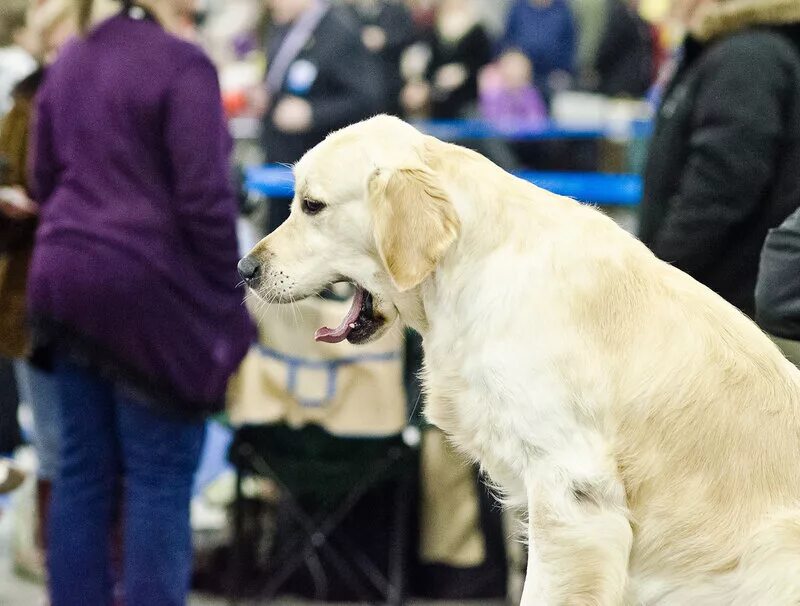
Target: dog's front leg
[579, 541]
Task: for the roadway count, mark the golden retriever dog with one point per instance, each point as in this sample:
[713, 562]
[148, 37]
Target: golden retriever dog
[650, 431]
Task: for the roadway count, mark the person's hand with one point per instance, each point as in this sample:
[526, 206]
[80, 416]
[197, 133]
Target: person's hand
[449, 77]
[292, 115]
[415, 96]
[374, 38]
[258, 100]
[15, 204]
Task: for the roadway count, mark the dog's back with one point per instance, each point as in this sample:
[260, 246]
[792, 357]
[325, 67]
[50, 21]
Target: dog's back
[706, 423]
[708, 445]
[705, 411]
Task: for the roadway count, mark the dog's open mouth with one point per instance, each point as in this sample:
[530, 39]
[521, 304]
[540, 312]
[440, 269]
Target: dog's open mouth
[360, 323]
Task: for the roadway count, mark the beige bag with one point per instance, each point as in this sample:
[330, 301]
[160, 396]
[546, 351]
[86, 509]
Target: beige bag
[349, 390]
[450, 525]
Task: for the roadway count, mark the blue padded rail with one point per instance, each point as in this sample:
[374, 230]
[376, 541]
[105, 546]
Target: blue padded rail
[462, 130]
[595, 188]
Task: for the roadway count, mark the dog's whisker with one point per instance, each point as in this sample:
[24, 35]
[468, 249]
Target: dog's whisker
[416, 404]
[293, 307]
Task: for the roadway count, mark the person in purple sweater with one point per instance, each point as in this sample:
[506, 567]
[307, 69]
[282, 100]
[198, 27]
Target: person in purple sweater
[132, 295]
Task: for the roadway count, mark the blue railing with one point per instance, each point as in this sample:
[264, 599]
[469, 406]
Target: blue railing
[597, 188]
[464, 130]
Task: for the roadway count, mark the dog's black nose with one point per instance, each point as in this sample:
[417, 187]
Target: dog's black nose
[249, 269]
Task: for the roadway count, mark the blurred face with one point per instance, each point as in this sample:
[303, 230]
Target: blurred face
[185, 6]
[170, 8]
[56, 37]
[687, 12]
[286, 11]
[48, 30]
[455, 6]
[515, 69]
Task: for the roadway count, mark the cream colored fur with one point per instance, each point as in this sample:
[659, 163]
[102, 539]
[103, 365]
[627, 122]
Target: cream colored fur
[650, 431]
[728, 16]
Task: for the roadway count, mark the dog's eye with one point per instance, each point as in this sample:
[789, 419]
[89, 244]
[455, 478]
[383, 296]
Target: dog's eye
[311, 207]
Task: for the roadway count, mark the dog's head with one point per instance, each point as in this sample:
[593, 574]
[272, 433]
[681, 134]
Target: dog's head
[367, 209]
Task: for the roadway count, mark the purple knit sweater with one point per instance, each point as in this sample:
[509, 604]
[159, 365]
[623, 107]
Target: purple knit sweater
[134, 270]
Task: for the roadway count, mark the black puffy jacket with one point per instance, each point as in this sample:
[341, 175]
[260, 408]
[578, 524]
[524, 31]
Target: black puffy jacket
[724, 163]
[778, 289]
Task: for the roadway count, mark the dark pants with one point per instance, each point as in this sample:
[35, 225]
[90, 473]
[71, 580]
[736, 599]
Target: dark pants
[9, 400]
[108, 437]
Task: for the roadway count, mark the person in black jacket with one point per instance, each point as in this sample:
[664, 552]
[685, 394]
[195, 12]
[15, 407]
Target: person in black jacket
[459, 48]
[778, 287]
[723, 163]
[387, 30]
[625, 59]
[320, 78]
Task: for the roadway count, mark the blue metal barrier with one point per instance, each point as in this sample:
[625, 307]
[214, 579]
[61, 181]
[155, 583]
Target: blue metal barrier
[461, 130]
[472, 129]
[597, 188]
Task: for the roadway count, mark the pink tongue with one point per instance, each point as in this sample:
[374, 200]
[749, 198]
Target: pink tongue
[339, 334]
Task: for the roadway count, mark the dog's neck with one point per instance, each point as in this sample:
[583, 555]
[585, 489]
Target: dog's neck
[485, 205]
[494, 213]
[410, 306]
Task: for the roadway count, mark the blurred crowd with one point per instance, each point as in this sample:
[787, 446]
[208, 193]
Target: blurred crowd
[121, 327]
[513, 64]
[449, 59]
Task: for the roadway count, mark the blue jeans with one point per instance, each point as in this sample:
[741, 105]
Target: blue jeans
[111, 440]
[37, 389]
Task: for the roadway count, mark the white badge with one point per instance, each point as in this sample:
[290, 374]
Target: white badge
[301, 76]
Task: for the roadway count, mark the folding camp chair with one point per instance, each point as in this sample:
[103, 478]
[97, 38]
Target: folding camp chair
[325, 425]
[322, 480]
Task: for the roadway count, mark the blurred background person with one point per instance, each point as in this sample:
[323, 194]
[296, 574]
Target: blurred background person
[16, 61]
[15, 64]
[423, 13]
[508, 92]
[591, 18]
[320, 77]
[132, 294]
[387, 30]
[617, 49]
[545, 31]
[722, 167]
[778, 287]
[447, 87]
[49, 26]
[624, 65]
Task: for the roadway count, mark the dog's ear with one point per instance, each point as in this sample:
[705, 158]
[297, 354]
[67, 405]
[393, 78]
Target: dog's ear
[415, 223]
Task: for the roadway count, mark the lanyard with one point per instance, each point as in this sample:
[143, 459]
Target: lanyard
[293, 43]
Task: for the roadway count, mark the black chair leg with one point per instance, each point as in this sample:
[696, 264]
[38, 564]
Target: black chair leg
[398, 554]
[235, 574]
